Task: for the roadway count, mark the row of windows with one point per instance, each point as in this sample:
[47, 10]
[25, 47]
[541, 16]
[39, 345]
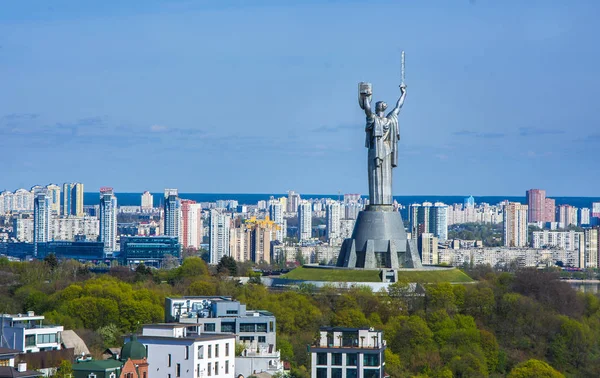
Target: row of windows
[209, 350]
[229, 327]
[350, 373]
[30, 340]
[209, 369]
[369, 359]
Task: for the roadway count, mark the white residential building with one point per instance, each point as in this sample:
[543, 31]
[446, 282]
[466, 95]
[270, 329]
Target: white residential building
[515, 225]
[23, 229]
[219, 235]
[66, 228]
[175, 353]
[27, 333]
[333, 216]
[147, 200]
[304, 221]
[348, 352]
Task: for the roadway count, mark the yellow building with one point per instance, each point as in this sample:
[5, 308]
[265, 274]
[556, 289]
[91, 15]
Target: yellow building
[251, 240]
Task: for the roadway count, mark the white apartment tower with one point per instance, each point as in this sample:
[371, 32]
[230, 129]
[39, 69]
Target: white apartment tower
[276, 215]
[219, 235]
[333, 216]
[54, 194]
[304, 221]
[515, 225]
[147, 200]
[108, 219]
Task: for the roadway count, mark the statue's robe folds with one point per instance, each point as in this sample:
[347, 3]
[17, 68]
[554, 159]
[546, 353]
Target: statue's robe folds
[381, 140]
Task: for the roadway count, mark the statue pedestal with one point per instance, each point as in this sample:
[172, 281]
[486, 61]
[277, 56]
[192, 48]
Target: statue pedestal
[379, 241]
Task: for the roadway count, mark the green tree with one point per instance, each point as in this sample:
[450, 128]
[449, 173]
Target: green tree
[534, 369]
[110, 335]
[65, 370]
[227, 266]
[51, 261]
[192, 267]
[201, 287]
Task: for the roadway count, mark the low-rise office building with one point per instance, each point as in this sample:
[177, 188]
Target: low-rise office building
[150, 250]
[349, 353]
[173, 352]
[255, 328]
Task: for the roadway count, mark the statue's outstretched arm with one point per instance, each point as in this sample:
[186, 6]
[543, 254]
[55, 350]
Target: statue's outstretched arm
[400, 102]
[367, 106]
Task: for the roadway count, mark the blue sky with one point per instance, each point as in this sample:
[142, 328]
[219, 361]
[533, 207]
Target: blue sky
[240, 96]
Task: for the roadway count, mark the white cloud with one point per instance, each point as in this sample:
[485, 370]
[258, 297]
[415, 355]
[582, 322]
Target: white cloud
[158, 128]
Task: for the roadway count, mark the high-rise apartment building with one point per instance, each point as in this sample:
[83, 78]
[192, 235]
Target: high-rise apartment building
[191, 222]
[172, 214]
[536, 201]
[567, 216]
[550, 210]
[304, 221]
[219, 235]
[333, 216]
[428, 245]
[72, 203]
[262, 233]
[41, 218]
[515, 225]
[147, 200]
[54, 194]
[564, 240]
[429, 218]
[585, 216]
[276, 215]
[293, 201]
[592, 236]
[108, 219]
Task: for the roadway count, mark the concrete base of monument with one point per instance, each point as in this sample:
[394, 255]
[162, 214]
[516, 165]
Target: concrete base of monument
[379, 241]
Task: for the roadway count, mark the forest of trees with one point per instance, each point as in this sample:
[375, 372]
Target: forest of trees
[527, 324]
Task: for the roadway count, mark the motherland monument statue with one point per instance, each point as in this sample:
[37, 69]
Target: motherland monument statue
[379, 239]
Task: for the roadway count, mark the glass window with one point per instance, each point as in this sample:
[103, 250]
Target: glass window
[228, 327]
[169, 360]
[232, 312]
[217, 368]
[246, 338]
[261, 327]
[351, 359]
[321, 372]
[209, 327]
[262, 339]
[227, 350]
[201, 352]
[227, 367]
[371, 359]
[371, 373]
[336, 359]
[210, 351]
[336, 373]
[197, 370]
[351, 373]
[29, 340]
[247, 327]
[216, 353]
[187, 352]
[178, 370]
[46, 339]
[321, 358]
[208, 368]
[272, 326]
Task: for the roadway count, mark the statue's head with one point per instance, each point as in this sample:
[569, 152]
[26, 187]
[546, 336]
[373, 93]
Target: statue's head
[380, 106]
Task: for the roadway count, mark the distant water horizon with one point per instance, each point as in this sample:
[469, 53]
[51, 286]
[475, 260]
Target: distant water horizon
[134, 199]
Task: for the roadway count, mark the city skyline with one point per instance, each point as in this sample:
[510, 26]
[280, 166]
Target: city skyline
[142, 82]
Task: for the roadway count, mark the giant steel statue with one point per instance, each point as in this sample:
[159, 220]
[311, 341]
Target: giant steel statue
[382, 141]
